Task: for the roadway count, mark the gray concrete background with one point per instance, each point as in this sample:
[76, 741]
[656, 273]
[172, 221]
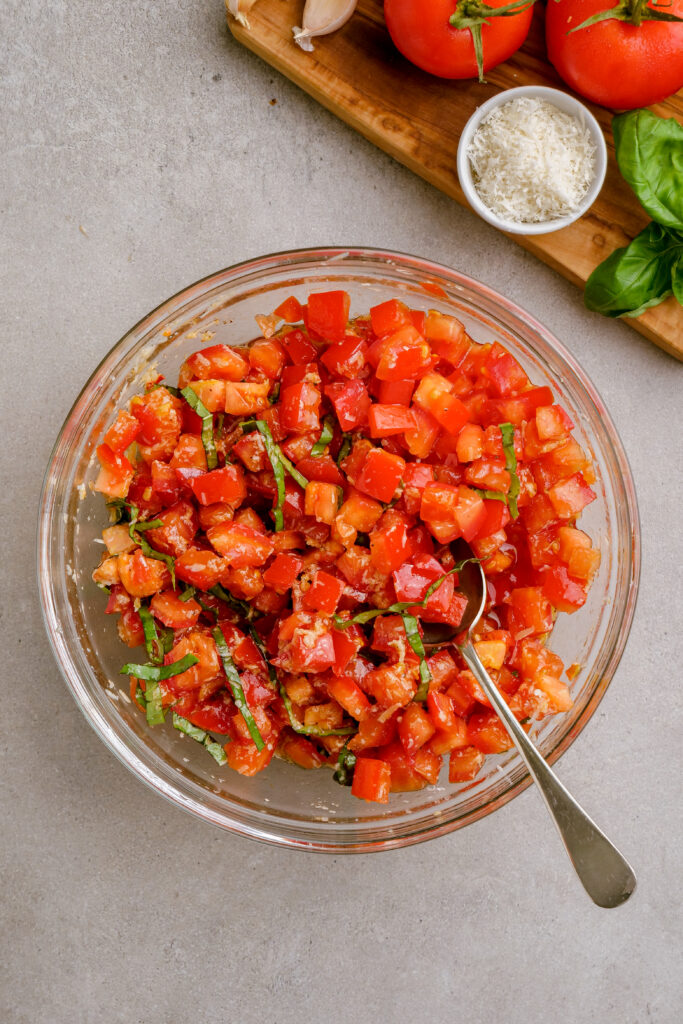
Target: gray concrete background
[144, 149]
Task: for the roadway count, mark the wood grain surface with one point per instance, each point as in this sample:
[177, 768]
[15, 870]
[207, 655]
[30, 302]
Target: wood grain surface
[417, 118]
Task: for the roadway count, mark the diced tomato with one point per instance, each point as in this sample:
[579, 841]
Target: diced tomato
[390, 542]
[529, 612]
[351, 403]
[122, 432]
[290, 310]
[328, 314]
[282, 572]
[371, 780]
[346, 359]
[380, 474]
[299, 405]
[202, 569]
[115, 475]
[421, 440]
[324, 593]
[243, 399]
[189, 454]
[486, 732]
[388, 317]
[396, 392]
[503, 372]
[569, 497]
[218, 361]
[465, 764]
[142, 576]
[224, 485]
[384, 420]
[322, 501]
[267, 356]
[240, 545]
[564, 593]
[211, 393]
[404, 355]
[170, 610]
[243, 757]
[376, 729]
[349, 695]
[300, 751]
[415, 728]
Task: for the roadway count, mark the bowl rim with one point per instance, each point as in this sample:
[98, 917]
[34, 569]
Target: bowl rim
[564, 101]
[123, 751]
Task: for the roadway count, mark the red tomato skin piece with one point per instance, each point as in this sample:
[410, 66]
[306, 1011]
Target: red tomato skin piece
[385, 420]
[220, 485]
[351, 403]
[380, 474]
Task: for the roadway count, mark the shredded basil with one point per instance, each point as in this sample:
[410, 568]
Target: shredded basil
[275, 456]
[167, 387]
[119, 510]
[272, 398]
[508, 432]
[240, 606]
[140, 698]
[491, 495]
[415, 641]
[326, 436]
[400, 606]
[187, 594]
[293, 471]
[236, 687]
[345, 447]
[157, 646]
[346, 763]
[201, 736]
[208, 440]
[154, 708]
[104, 587]
[155, 673]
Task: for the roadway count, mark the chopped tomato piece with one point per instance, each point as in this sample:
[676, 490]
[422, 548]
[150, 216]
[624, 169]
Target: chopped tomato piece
[380, 474]
[371, 780]
[328, 314]
[115, 475]
[324, 593]
[218, 361]
[224, 485]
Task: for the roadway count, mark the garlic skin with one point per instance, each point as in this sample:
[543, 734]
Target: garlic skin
[239, 9]
[320, 18]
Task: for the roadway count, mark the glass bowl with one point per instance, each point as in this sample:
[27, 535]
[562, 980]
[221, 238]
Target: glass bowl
[286, 805]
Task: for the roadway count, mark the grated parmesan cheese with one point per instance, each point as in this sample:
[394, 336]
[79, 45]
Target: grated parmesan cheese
[531, 162]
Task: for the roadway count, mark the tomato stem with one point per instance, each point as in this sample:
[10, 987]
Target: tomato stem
[633, 11]
[470, 15]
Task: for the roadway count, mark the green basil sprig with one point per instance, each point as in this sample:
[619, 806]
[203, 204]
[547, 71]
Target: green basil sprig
[508, 432]
[415, 641]
[345, 447]
[649, 151]
[208, 440]
[236, 687]
[346, 763]
[157, 646]
[155, 673]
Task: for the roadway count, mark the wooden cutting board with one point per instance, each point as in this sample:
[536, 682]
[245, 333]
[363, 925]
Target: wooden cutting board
[417, 118]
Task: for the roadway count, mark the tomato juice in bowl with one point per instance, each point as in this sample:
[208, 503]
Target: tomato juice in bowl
[284, 804]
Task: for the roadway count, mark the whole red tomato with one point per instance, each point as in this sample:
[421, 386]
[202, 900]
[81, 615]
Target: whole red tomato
[616, 63]
[423, 33]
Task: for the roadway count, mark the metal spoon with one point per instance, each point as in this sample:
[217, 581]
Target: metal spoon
[606, 876]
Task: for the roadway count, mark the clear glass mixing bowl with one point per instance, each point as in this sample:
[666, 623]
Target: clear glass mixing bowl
[285, 805]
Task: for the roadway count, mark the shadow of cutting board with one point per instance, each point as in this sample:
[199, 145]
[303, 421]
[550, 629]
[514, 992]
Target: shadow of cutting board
[417, 118]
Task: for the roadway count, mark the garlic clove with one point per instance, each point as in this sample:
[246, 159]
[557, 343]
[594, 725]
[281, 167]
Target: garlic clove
[320, 18]
[239, 9]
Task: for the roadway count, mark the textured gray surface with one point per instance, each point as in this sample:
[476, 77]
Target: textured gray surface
[143, 149]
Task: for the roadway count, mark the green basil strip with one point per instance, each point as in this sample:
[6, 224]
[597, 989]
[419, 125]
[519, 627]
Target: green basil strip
[346, 763]
[208, 440]
[236, 687]
[151, 552]
[187, 594]
[167, 387]
[293, 471]
[345, 447]
[400, 606]
[153, 644]
[508, 432]
[201, 736]
[492, 495]
[154, 708]
[155, 673]
[104, 587]
[144, 524]
[140, 698]
[272, 674]
[415, 641]
[273, 397]
[119, 510]
[275, 456]
[326, 436]
[239, 606]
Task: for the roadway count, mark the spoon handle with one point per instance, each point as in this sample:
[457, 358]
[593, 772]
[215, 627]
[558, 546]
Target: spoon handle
[606, 876]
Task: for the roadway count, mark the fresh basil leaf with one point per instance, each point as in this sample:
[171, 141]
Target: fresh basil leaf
[346, 763]
[326, 436]
[677, 279]
[635, 277]
[216, 750]
[236, 687]
[508, 433]
[244, 609]
[155, 648]
[187, 594]
[140, 698]
[119, 510]
[154, 673]
[208, 440]
[492, 495]
[345, 447]
[275, 394]
[293, 471]
[649, 151]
